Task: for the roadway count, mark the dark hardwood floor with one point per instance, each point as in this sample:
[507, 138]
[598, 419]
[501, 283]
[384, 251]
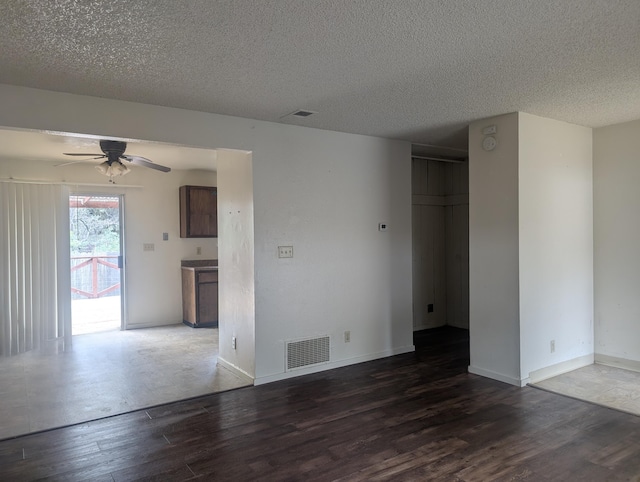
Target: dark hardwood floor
[410, 417]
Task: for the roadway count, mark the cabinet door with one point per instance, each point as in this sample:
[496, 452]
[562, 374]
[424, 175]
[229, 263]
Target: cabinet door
[208, 302]
[189, 297]
[198, 212]
[203, 212]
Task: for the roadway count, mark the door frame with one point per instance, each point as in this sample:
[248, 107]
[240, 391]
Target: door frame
[122, 264]
[121, 255]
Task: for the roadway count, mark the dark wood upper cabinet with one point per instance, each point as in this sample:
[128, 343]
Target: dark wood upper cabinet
[198, 212]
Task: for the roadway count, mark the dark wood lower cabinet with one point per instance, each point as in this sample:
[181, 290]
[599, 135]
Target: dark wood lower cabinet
[200, 297]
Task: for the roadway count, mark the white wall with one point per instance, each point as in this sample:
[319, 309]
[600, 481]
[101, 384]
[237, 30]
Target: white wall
[617, 243]
[494, 314]
[531, 245]
[322, 192]
[556, 243]
[236, 278]
[153, 279]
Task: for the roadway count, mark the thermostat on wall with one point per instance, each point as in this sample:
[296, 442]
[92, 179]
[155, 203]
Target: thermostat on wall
[489, 143]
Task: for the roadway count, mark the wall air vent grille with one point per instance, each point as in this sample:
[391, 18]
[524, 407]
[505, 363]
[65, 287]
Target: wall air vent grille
[304, 353]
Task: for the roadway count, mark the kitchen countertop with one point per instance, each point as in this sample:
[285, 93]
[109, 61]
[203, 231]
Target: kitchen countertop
[199, 263]
[199, 269]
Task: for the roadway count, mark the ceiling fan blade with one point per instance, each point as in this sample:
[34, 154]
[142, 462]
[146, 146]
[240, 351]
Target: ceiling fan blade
[85, 154]
[143, 161]
[78, 161]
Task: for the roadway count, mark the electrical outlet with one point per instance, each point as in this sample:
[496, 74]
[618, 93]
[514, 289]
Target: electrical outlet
[165, 236]
[552, 346]
[233, 342]
[148, 247]
[347, 336]
[285, 251]
[198, 250]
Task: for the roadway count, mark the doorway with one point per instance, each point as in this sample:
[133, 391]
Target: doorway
[440, 210]
[97, 268]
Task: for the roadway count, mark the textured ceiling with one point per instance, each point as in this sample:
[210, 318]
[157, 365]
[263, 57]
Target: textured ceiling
[416, 70]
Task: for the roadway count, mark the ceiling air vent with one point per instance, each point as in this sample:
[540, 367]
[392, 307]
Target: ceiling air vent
[303, 113]
[300, 114]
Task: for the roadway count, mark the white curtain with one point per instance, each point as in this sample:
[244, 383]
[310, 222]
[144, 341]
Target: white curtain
[35, 283]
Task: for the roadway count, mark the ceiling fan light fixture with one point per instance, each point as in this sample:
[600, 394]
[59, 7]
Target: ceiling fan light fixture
[113, 152]
[113, 169]
[103, 167]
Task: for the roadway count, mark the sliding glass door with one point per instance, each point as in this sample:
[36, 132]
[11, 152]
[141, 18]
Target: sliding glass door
[97, 268]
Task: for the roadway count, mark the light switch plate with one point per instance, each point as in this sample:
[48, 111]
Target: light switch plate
[285, 251]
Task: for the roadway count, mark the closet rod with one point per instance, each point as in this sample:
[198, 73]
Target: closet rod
[445, 148]
[441, 159]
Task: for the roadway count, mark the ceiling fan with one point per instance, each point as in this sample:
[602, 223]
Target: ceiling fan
[113, 152]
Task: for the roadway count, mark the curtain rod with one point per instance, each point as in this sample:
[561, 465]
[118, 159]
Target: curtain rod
[64, 183]
[441, 159]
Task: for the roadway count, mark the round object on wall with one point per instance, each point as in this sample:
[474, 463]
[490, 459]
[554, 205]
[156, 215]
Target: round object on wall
[489, 143]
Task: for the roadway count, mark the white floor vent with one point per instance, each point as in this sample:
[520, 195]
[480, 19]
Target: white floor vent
[304, 353]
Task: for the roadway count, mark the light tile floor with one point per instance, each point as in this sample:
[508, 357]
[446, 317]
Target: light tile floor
[108, 373]
[604, 385]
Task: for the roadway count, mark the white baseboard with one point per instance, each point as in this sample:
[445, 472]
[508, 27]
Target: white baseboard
[332, 365]
[560, 368]
[518, 382]
[235, 370]
[616, 362]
